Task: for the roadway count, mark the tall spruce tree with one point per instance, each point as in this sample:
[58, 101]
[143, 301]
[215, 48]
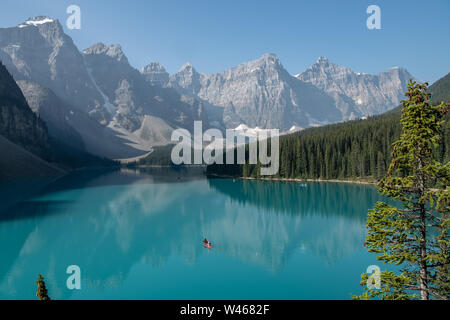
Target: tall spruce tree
[415, 234]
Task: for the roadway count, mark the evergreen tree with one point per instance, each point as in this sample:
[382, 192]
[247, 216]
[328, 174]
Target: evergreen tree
[42, 292]
[381, 168]
[414, 235]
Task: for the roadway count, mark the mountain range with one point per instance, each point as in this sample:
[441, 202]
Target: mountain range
[352, 150]
[262, 93]
[95, 101]
[358, 94]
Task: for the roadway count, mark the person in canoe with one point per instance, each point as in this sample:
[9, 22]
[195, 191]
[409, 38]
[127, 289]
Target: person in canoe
[206, 243]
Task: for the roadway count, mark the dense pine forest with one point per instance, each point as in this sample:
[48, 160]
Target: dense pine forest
[358, 149]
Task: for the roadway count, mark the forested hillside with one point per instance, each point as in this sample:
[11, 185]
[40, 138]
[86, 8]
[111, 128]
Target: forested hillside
[358, 149]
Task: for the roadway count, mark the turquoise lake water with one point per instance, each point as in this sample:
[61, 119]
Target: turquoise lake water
[137, 235]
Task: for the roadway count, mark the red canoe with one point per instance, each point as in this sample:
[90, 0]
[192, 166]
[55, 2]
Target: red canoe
[207, 245]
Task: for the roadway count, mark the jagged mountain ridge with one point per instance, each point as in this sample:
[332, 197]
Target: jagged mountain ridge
[38, 51]
[358, 94]
[134, 106]
[259, 93]
[262, 93]
[131, 95]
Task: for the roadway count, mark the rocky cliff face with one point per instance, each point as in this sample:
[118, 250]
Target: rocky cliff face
[72, 128]
[38, 50]
[358, 94]
[262, 93]
[18, 123]
[155, 74]
[259, 93]
[132, 98]
[56, 114]
[99, 83]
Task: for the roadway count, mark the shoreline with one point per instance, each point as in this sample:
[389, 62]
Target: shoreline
[365, 182]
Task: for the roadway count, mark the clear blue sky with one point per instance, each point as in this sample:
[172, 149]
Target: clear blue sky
[215, 35]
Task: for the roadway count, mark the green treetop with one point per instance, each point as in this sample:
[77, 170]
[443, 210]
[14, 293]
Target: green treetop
[42, 292]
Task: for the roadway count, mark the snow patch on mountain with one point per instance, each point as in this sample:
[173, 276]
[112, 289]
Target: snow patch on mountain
[36, 21]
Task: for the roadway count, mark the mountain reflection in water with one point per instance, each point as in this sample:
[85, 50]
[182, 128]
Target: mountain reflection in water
[109, 222]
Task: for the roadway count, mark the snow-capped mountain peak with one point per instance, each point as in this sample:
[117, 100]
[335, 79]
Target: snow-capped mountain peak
[36, 21]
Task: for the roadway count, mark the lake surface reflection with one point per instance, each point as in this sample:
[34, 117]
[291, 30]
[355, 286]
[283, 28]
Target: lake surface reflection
[137, 235]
